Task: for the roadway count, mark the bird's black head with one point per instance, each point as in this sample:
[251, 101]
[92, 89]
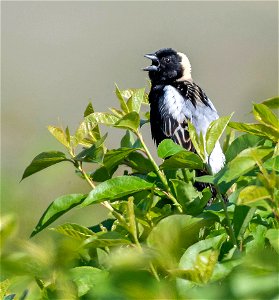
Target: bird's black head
[168, 66]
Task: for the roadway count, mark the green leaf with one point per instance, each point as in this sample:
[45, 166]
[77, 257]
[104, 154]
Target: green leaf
[93, 154]
[173, 234]
[75, 231]
[272, 103]
[241, 219]
[9, 297]
[4, 287]
[182, 159]
[116, 188]
[59, 134]
[196, 141]
[199, 260]
[56, 209]
[266, 116]
[89, 110]
[139, 163]
[119, 95]
[244, 162]
[273, 236]
[130, 121]
[252, 194]
[214, 132]
[8, 225]
[107, 239]
[43, 161]
[243, 142]
[134, 102]
[189, 197]
[114, 158]
[87, 278]
[272, 164]
[101, 118]
[128, 140]
[256, 129]
[168, 148]
[205, 178]
[102, 174]
[185, 191]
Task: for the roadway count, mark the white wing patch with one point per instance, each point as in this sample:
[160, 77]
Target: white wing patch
[201, 116]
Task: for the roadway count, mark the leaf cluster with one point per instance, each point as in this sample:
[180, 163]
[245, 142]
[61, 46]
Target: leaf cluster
[170, 233]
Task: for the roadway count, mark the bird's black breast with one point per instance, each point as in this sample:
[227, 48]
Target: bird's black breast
[156, 118]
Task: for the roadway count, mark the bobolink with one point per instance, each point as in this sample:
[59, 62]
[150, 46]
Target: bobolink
[175, 99]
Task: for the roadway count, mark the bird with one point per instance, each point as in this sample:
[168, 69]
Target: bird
[175, 99]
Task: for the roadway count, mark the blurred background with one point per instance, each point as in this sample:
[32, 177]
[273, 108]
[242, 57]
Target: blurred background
[58, 56]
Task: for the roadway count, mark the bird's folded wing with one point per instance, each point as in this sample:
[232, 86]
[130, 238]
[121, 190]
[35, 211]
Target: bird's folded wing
[176, 110]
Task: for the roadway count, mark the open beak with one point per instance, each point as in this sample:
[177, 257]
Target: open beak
[155, 62]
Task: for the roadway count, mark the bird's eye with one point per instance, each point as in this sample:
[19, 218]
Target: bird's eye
[166, 60]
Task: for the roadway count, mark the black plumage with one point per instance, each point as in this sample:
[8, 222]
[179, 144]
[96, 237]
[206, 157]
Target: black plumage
[175, 99]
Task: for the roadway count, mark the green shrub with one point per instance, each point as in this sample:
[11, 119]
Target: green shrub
[161, 239]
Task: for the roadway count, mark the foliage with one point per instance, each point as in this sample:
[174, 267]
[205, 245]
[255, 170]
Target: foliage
[164, 238]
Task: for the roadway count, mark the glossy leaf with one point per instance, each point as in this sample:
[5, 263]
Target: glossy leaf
[107, 239]
[243, 142]
[89, 110]
[196, 141]
[130, 121]
[101, 118]
[8, 225]
[87, 278]
[43, 161]
[128, 140]
[182, 159]
[121, 99]
[199, 260]
[266, 116]
[189, 197]
[4, 287]
[273, 236]
[256, 129]
[113, 158]
[241, 218]
[134, 102]
[244, 162]
[59, 134]
[272, 164]
[252, 194]
[214, 132]
[116, 188]
[93, 154]
[138, 162]
[185, 191]
[168, 148]
[272, 103]
[74, 231]
[57, 208]
[173, 234]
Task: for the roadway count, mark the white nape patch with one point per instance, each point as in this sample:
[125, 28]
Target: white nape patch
[186, 67]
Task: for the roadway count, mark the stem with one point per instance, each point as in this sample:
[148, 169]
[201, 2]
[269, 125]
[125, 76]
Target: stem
[133, 230]
[153, 270]
[106, 204]
[229, 224]
[159, 172]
